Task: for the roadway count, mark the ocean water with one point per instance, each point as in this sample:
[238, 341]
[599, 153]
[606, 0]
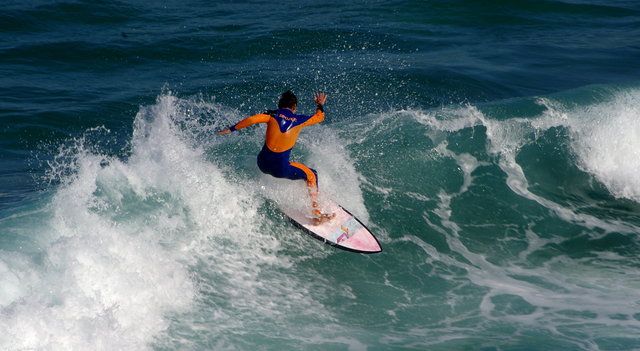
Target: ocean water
[492, 146]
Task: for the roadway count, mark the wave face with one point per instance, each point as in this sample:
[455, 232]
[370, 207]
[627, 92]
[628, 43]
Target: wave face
[492, 148]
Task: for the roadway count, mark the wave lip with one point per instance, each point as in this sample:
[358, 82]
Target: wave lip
[606, 140]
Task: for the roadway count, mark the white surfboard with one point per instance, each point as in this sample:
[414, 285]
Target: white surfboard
[344, 231]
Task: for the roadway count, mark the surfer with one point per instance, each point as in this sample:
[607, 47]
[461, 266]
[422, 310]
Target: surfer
[283, 128]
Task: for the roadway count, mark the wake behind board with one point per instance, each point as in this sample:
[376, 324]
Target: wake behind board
[344, 231]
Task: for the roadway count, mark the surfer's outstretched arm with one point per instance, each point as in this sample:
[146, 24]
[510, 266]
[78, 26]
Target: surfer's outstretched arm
[249, 121]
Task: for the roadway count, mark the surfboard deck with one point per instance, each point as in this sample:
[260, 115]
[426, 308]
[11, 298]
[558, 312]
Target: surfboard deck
[344, 231]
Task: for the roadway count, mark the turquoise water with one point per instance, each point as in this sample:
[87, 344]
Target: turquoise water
[492, 146]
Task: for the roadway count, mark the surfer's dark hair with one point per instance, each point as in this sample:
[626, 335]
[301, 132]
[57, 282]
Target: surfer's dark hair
[287, 100]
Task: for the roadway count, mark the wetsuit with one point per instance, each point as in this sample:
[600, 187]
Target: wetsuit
[283, 128]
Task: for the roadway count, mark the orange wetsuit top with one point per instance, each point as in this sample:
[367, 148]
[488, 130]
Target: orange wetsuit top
[283, 128]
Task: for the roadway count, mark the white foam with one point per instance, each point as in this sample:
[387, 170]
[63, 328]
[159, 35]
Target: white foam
[506, 137]
[465, 161]
[339, 179]
[107, 284]
[606, 139]
[569, 286]
[449, 119]
[122, 237]
[562, 285]
[10, 287]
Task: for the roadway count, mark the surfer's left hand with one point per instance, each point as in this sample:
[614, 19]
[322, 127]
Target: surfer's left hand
[224, 132]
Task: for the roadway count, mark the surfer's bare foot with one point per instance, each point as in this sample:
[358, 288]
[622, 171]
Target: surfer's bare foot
[323, 218]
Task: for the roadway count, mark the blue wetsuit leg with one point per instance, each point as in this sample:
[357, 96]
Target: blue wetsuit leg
[277, 164]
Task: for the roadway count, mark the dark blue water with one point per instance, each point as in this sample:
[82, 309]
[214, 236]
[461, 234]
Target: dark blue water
[492, 146]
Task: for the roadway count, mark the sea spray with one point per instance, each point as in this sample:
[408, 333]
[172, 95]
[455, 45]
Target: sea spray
[120, 238]
[606, 140]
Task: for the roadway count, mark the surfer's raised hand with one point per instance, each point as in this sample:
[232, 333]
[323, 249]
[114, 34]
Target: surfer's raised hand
[224, 132]
[320, 98]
